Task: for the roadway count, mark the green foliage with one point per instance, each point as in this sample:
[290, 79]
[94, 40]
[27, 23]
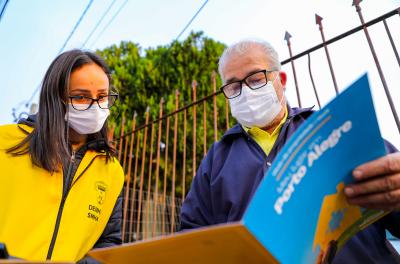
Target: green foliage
[143, 77]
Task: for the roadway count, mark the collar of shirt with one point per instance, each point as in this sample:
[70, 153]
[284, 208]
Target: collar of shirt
[263, 138]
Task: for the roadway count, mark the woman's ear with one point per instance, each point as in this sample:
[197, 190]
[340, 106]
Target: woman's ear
[283, 79]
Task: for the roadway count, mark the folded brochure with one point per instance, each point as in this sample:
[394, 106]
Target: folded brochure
[299, 212]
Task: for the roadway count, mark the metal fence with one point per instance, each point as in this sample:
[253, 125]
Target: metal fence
[160, 165]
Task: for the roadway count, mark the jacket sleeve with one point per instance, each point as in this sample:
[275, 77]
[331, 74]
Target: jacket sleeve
[391, 222]
[196, 210]
[112, 233]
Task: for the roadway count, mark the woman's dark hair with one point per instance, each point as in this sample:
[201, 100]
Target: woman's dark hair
[48, 143]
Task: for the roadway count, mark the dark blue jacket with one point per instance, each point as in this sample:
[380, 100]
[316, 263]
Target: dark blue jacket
[231, 172]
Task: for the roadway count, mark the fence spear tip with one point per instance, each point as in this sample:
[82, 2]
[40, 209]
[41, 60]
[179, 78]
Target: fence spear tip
[287, 36]
[356, 2]
[318, 19]
[194, 83]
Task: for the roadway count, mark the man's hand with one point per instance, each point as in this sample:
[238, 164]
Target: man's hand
[377, 184]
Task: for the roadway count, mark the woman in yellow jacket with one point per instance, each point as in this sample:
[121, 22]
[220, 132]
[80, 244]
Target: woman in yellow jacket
[60, 183]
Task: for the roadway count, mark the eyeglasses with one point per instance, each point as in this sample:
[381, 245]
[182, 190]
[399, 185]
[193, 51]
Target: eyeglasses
[82, 103]
[254, 81]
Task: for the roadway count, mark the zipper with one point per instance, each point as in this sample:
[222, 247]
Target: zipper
[268, 158]
[64, 197]
[60, 209]
[278, 139]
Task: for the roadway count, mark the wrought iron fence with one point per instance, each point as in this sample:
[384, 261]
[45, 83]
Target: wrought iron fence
[160, 158]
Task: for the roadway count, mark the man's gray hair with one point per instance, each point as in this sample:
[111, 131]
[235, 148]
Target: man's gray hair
[244, 46]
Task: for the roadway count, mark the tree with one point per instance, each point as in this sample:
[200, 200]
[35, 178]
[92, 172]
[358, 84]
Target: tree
[143, 77]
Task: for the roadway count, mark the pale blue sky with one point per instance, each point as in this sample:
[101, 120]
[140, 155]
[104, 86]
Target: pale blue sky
[32, 32]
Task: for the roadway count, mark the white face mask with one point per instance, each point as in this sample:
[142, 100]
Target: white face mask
[256, 108]
[88, 121]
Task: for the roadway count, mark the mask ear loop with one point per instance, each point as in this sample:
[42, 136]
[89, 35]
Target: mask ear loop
[283, 94]
[272, 82]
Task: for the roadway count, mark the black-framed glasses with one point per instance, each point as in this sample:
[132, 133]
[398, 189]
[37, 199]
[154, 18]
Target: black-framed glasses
[254, 81]
[82, 103]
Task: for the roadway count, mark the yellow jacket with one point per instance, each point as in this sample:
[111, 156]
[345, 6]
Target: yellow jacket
[31, 199]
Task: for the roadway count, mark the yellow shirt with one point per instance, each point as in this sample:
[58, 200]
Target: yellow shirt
[264, 139]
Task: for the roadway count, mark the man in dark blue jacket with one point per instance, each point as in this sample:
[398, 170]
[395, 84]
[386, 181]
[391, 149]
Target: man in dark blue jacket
[234, 166]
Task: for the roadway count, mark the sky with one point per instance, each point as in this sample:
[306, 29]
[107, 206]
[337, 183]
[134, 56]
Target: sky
[33, 32]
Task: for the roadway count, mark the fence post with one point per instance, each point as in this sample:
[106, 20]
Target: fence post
[204, 129]
[378, 66]
[184, 155]
[391, 40]
[131, 217]
[312, 80]
[142, 171]
[121, 139]
[125, 151]
[157, 166]
[194, 84]
[214, 84]
[128, 180]
[165, 177]
[318, 21]
[287, 38]
[174, 161]
[149, 181]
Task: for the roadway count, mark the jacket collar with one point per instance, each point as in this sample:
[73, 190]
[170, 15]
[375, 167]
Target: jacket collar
[292, 112]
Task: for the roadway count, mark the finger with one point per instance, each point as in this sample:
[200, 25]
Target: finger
[384, 207]
[385, 165]
[384, 200]
[381, 184]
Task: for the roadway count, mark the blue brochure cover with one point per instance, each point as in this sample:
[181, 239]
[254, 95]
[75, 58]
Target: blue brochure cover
[299, 208]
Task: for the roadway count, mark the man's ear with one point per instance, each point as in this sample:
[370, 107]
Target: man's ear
[283, 79]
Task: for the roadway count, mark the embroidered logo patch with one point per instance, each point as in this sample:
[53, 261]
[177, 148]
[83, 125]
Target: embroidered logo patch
[101, 190]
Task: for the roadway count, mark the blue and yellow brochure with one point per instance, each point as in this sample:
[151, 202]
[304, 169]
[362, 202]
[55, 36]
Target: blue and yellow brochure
[299, 209]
